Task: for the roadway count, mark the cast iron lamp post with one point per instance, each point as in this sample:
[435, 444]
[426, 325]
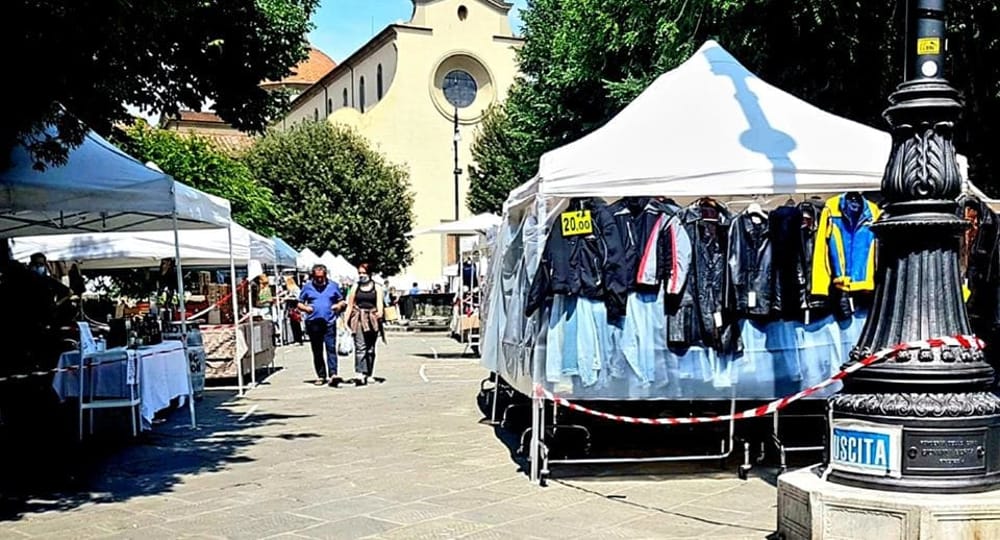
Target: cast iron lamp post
[932, 405]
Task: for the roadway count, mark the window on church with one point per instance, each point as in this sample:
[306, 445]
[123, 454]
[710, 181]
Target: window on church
[329, 105]
[459, 88]
[378, 83]
[345, 97]
[316, 115]
[463, 12]
[361, 94]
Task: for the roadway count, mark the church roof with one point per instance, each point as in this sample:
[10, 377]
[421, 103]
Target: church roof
[307, 72]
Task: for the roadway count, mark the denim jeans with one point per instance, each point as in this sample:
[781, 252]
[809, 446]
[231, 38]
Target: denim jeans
[323, 336]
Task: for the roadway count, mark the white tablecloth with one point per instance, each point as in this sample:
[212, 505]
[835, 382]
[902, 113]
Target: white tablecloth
[163, 375]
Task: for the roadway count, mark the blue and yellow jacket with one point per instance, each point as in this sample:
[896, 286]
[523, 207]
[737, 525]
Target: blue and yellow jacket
[844, 255]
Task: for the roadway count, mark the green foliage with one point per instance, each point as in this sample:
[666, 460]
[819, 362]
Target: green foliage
[584, 60]
[94, 56]
[197, 162]
[334, 192]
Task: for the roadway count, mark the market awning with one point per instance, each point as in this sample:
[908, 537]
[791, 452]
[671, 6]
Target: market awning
[285, 254]
[138, 249]
[469, 226]
[99, 189]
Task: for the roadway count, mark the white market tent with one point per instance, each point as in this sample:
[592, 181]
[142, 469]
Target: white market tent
[306, 259]
[711, 127]
[262, 249]
[478, 224]
[708, 128]
[139, 249]
[100, 188]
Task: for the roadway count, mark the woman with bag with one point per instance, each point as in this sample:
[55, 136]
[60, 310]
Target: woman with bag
[365, 311]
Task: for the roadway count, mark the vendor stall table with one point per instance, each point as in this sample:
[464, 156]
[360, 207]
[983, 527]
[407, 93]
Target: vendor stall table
[222, 345]
[161, 373]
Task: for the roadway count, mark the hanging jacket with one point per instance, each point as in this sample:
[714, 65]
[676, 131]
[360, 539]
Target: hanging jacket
[812, 211]
[844, 253]
[785, 229]
[751, 289]
[697, 316]
[666, 257]
[638, 220]
[981, 257]
[585, 265]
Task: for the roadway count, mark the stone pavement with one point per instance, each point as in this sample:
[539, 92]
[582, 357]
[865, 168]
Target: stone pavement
[404, 459]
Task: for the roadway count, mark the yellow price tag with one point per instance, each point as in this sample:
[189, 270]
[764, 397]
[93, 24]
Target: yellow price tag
[931, 45]
[577, 222]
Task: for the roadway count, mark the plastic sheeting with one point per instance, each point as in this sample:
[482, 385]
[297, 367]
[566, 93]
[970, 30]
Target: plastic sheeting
[708, 128]
[99, 189]
[139, 250]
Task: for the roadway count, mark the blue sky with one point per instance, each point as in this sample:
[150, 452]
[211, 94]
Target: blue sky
[342, 26]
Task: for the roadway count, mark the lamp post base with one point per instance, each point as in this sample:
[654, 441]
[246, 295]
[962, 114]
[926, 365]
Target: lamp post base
[811, 508]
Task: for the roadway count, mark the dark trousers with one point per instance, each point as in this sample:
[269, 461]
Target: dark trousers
[296, 331]
[323, 336]
[364, 352]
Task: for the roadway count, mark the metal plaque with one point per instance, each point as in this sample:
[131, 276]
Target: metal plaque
[866, 448]
[951, 452]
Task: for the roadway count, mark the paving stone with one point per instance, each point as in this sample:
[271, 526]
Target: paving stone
[346, 508]
[404, 459]
[442, 528]
[348, 529]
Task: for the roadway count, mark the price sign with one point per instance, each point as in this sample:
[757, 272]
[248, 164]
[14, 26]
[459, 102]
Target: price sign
[577, 222]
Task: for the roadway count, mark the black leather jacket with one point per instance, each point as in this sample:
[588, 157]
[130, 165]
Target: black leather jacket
[584, 265]
[698, 316]
[751, 289]
[982, 257]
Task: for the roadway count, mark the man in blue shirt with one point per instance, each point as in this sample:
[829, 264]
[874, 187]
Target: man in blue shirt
[321, 301]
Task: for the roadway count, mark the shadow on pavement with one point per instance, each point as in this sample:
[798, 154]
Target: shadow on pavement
[45, 468]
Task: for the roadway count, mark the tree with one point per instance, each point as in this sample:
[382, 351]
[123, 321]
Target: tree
[584, 60]
[498, 138]
[93, 56]
[197, 162]
[334, 192]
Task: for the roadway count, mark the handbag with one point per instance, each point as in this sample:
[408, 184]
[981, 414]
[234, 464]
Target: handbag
[390, 314]
[345, 341]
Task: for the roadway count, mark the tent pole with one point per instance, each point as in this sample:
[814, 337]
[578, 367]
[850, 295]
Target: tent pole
[183, 310]
[237, 358]
[253, 328]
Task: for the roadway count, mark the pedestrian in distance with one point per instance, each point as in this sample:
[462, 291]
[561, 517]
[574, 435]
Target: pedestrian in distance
[365, 312]
[321, 301]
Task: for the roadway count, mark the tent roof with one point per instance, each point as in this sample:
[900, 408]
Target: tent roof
[139, 249]
[99, 189]
[477, 224]
[262, 249]
[711, 127]
[285, 254]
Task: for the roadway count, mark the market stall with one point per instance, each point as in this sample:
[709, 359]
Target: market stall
[216, 346]
[467, 277]
[641, 264]
[98, 188]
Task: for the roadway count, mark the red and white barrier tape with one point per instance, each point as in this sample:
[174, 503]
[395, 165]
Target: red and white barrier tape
[216, 305]
[965, 342]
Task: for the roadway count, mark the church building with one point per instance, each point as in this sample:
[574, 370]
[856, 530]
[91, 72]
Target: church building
[417, 91]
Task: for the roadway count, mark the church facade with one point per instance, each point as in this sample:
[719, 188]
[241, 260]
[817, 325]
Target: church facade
[417, 91]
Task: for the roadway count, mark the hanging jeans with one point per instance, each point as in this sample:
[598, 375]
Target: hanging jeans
[821, 353]
[323, 336]
[644, 338]
[364, 352]
[578, 339]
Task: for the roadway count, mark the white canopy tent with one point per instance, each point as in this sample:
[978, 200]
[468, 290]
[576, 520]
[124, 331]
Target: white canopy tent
[711, 127]
[262, 249]
[306, 259]
[100, 188]
[140, 249]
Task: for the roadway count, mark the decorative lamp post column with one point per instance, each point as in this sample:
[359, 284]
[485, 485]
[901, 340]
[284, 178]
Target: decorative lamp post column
[924, 420]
